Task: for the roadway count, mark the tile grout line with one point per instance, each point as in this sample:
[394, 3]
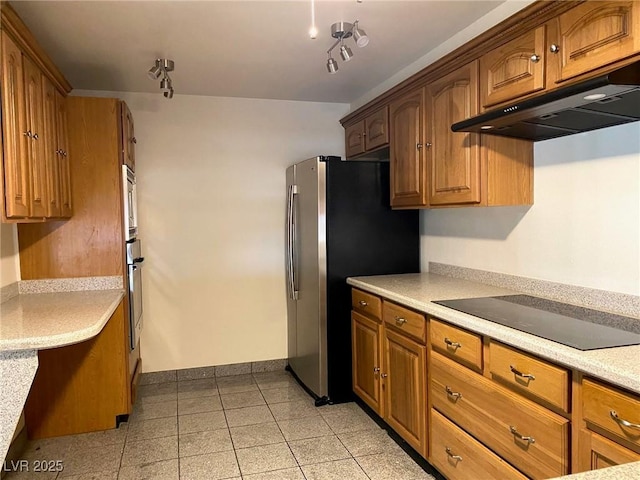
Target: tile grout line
[352, 456]
[178, 423]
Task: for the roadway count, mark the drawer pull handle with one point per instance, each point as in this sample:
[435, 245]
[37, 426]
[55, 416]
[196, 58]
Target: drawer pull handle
[457, 458]
[622, 421]
[454, 345]
[363, 303]
[452, 394]
[400, 321]
[517, 372]
[515, 432]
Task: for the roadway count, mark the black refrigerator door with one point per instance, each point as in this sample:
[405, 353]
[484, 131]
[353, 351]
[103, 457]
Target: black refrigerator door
[364, 237]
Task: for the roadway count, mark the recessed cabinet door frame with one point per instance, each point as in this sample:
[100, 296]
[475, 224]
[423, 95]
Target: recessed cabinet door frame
[15, 164]
[599, 452]
[513, 70]
[36, 150]
[50, 141]
[367, 360]
[128, 138]
[408, 168]
[354, 139]
[595, 34]
[404, 387]
[453, 158]
[376, 129]
[63, 156]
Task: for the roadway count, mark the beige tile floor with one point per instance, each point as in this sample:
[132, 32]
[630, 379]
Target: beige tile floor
[257, 427]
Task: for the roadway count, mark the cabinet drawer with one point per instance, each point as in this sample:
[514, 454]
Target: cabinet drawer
[366, 303]
[528, 436]
[458, 344]
[409, 322]
[459, 456]
[610, 408]
[527, 374]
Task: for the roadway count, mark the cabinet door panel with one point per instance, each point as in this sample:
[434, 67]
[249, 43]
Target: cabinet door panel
[453, 158]
[376, 128]
[63, 156]
[599, 452]
[408, 169]
[365, 335]
[36, 150]
[405, 388]
[128, 138]
[595, 34]
[15, 159]
[50, 142]
[354, 139]
[512, 71]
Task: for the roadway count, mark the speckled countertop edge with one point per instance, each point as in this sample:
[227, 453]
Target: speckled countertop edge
[74, 284]
[30, 320]
[628, 471]
[615, 365]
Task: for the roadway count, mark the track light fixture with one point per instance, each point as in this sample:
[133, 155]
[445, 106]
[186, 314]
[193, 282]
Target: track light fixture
[340, 31]
[162, 67]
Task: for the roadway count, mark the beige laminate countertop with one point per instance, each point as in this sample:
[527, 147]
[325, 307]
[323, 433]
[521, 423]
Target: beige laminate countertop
[619, 366]
[39, 321]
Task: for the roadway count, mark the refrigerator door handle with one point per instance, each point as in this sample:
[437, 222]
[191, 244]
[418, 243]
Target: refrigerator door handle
[291, 240]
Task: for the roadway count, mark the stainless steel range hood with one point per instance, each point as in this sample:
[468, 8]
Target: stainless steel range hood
[604, 101]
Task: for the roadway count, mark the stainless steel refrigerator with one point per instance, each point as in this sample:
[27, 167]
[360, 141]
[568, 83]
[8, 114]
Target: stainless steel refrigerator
[339, 224]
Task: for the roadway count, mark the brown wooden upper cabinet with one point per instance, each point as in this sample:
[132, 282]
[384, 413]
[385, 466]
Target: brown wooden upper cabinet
[35, 170]
[406, 151]
[513, 70]
[128, 137]
[593, 35]
[453, 159]
[368, 134]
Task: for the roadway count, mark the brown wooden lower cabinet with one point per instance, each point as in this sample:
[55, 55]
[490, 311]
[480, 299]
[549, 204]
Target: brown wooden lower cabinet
[460, 457]
[528, 436]
[405, 387]
[599, 452]
[366, 335]
[83, 387]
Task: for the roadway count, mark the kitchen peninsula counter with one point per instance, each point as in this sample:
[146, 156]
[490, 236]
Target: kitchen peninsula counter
[36, 321]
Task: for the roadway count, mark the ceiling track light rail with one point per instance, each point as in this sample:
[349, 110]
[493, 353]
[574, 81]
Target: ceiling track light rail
[162, 67]
[340, 31]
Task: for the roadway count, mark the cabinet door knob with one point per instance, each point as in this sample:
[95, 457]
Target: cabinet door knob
[35, 136]
[64, 153]
[376, 369]
[428, 144]
[535, 58]
[384, 375]
[134, 140]
[418, 146]
[554, 48]
[28, 134]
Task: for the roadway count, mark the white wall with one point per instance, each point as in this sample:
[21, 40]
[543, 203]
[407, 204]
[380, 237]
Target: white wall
[584, 226]
[9, 259]
[211, 194]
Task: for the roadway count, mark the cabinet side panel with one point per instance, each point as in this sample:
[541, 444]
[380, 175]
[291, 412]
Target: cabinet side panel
[509, 163]
[82, 387]
[91, 243]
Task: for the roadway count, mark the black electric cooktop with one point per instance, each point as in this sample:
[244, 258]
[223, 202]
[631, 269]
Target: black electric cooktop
[577, 327]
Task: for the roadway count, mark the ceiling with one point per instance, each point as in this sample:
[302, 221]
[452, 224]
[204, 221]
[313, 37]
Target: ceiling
[253, 49]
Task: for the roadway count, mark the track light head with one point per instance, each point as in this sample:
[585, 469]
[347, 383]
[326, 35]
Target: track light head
[345, 53]
[332, 65]
[169, 93]
[155, 71]
[165, 84]
[360, 36]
